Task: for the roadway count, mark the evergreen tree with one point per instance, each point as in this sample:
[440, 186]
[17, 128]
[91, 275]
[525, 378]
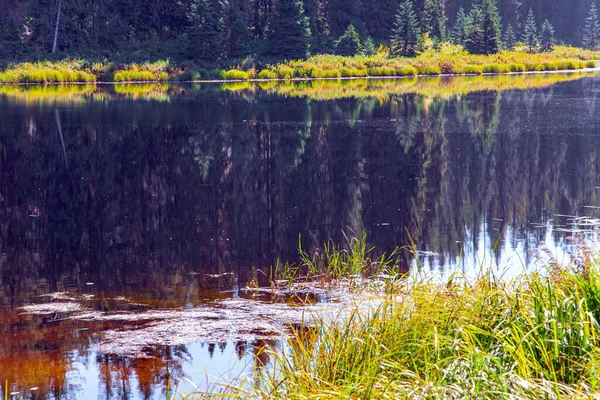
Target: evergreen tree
[475, 39]
[434, 19]
[237, 34]
[591, 32]
[369, 48]
[342, 13]
[510, 39]
[204, 39]
[547, 37]
[349, 43]
[462, 27]
[484, 36]
[490, 26]
[289, 32]
[379, 16]
[530, 35]
[405, 35]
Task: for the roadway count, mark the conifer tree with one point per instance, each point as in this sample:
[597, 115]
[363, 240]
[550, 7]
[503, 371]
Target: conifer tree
[484, 35]
[369, 48]
[591, 31]
[490, 26]
[204, 39]
[510, 39]
[434, 19]
[289, 33]
[547, 38]
[462, 27]
[349, 43]
[475, 39]
[405, 35]
[342, 13]
[530, 34]
[237, 33]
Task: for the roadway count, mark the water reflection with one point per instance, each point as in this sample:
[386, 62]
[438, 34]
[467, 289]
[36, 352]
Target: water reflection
[171, 196]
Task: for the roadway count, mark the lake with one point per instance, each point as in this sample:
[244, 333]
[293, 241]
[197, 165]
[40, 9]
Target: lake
[132, 217]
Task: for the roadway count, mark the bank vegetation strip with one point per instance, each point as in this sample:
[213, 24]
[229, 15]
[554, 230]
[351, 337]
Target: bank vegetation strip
[449, 59]
[533, 336]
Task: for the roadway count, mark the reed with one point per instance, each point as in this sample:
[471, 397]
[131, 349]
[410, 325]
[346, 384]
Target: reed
[535, 336]
[44, 73]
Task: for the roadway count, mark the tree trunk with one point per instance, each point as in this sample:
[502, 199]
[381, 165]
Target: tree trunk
[56, 29]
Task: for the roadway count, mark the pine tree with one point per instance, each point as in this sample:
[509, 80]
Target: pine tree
[237, 33]
[530, 35]
[342, 13]
[510, 39]
[547, 38]
[349, 43]
[591, 32]
[461, 29]
[490, 26]
[369, 48]
[475, 39]
[434, 19]
[484, 36]
[405, 35]
[289, 33]
[204, 39]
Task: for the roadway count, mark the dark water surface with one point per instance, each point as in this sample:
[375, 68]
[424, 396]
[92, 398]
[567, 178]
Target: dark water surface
[117, 203]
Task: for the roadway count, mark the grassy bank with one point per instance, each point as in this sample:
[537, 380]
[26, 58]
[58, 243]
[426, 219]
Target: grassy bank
[447, 60]
[536, 336]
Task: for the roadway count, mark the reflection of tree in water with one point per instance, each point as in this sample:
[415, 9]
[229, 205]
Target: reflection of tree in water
[160, 368]
[217, 182]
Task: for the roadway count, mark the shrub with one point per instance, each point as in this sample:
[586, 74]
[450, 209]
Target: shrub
[235, 74]
[267, 74]
[381, 71]
[285, 72]
[430, 70]
[407, 70]
[353, 72]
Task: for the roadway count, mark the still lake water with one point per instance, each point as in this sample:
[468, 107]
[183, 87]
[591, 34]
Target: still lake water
[137, 208]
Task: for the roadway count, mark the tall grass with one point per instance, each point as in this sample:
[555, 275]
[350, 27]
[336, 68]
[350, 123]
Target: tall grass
[44, 72]
[333, 263]
[536, 336]
[146, 72]
[447, 60]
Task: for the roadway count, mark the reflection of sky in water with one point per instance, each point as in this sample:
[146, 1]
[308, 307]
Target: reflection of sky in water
[514, 253]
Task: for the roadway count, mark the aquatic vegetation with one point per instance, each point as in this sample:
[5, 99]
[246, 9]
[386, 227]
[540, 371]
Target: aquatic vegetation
[235, 74]
[266, 74]
[334, 263]
[533, 336]
[45, 72]
[447, 60]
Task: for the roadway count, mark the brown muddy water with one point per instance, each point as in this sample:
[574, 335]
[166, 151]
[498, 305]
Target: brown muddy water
[132, 218]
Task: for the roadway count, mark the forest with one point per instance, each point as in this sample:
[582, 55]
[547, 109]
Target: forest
[211, 30]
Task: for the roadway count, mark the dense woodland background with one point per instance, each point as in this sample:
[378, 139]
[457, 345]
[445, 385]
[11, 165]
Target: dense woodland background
[226, 29]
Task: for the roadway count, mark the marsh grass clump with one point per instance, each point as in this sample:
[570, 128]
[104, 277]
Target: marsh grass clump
[47, 72]
[146, 72]
[236, 74]
[334, 263]
[535, 336]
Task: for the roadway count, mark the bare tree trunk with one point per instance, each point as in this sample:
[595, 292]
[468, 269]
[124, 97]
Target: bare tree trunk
[56, 29]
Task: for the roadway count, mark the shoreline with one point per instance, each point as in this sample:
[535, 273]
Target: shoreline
[300, 79]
